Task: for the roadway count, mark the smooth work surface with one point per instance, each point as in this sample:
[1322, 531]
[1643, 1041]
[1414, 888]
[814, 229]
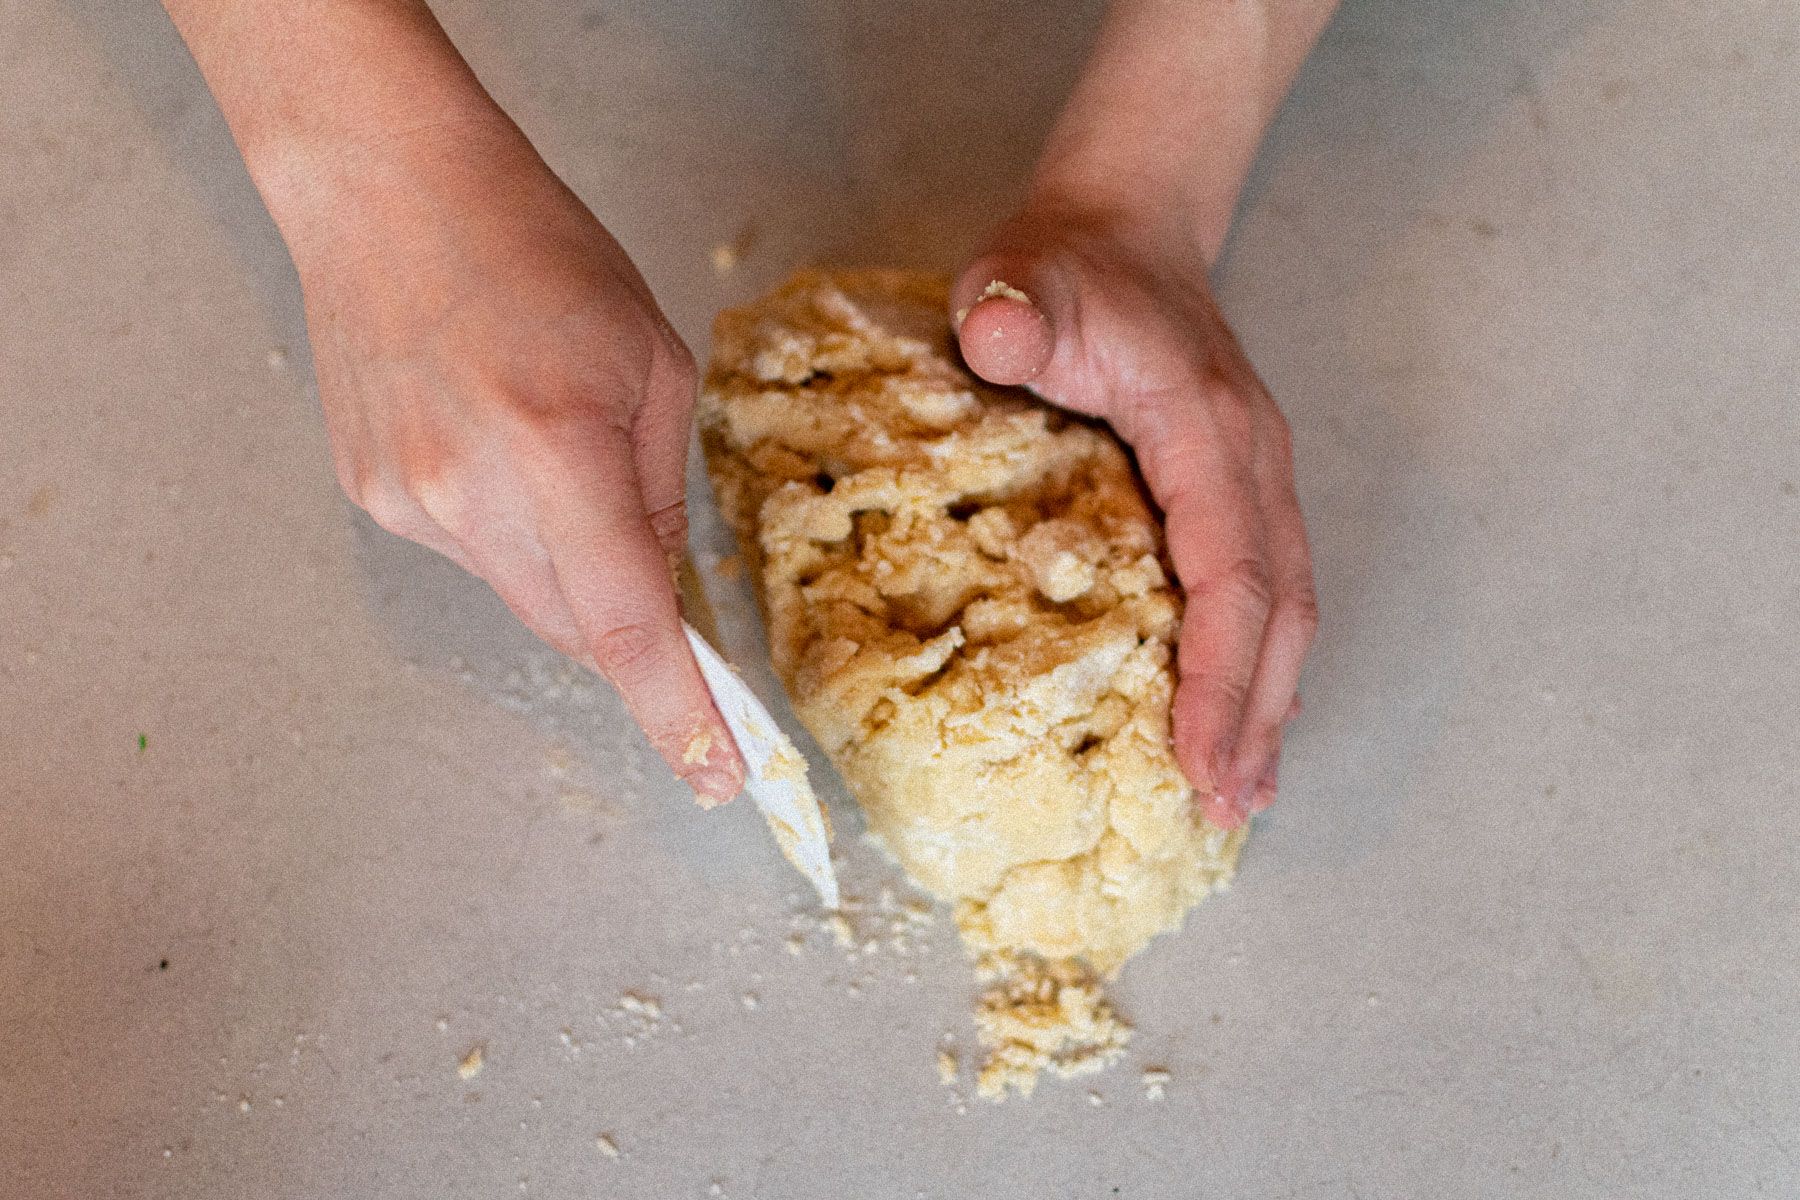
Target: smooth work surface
[293, 817]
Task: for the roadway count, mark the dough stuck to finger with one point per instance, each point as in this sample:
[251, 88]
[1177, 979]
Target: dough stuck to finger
[969, 602]
[1005, 338]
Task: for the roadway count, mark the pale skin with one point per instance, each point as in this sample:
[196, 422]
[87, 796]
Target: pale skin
[500, 385]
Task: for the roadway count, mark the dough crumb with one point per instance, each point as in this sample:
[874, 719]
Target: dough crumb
[472, 1062]
[606, 1146]
[1156, 1081]
[646, 1006]
[946, 1067]
[643, 1017]
[727, 255]
[997, 287]
[1040, 1015]
[697, 748]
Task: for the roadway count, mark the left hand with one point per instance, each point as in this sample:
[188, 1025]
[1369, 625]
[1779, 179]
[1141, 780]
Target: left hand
[1121, 325]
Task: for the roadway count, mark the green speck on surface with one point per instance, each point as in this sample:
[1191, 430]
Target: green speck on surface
[143, 742]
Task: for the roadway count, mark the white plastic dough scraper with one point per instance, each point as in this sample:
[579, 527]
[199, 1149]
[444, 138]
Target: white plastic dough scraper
[775, 773]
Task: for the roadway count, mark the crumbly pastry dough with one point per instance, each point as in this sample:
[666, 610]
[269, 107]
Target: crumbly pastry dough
[966, 597]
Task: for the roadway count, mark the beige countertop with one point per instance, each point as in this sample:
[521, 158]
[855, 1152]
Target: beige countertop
[1524, 923]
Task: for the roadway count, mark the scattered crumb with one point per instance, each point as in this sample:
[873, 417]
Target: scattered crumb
[697, 748]
[795, 944]
[750, 1001]
[606, 1146]
[472, 1062]
[1041, 1015]
[726, 255]
[841, 932]
[716, 1189]
[729, 566]
[243, 1104]
[946, 1064]
[644, 1015]
[647, 1006]
[277, 357]
[443, 1024]
[1156, 1081]
[1096, 1099]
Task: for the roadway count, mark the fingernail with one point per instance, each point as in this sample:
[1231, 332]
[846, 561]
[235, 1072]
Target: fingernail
[1264, 795]
[1221, 811]
[1243, 797]
[712, 786]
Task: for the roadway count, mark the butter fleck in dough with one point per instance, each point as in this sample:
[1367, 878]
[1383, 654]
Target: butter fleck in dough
[967, 599]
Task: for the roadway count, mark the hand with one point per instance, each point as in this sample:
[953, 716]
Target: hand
[1119, 323]
[499, 385]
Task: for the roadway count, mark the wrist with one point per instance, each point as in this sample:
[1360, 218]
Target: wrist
[375, 182]
[1167, 117]
[1179, 213]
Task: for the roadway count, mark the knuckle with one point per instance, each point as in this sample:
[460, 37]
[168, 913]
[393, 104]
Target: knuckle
[1279, 436]
[1217, 691]
[625, 651]
[1224, 693]
[670, 525]
[447, 506]
[1245, 586]
[678, 363]
[1299, 607]
[388, 508]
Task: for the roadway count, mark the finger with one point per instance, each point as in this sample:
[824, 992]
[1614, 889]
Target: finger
[392, 508]
[1005, 338]
[521, 573]
[612, 572]
[1009, 308]
[1216, 540]
[1293, 621]
[478, 515]
[661, 429]
[1265, 787]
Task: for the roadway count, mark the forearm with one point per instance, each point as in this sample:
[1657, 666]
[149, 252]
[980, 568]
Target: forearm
[1173, 104]
[316, 91]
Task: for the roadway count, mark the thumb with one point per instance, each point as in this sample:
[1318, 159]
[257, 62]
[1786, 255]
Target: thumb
[1005, 310]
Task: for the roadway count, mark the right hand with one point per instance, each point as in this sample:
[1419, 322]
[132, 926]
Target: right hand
[500, 386]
